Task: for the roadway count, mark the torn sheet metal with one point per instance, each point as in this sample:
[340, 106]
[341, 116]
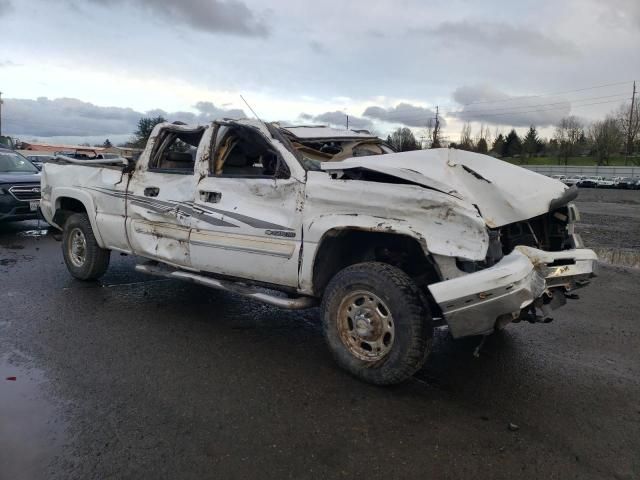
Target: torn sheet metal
[473, 303]
[504, 193]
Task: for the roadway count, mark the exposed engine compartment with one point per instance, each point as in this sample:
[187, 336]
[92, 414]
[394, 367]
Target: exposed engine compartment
[552, 232]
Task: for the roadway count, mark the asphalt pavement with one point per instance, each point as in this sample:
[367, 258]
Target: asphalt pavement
[138, 377]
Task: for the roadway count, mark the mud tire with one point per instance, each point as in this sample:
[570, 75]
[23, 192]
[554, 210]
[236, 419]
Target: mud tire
[413, 330]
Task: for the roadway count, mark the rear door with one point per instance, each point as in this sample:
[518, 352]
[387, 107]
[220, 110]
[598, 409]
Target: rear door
[247, 222]
[159, 197]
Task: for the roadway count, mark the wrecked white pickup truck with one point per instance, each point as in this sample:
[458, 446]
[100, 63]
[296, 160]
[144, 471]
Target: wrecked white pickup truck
[388, 243]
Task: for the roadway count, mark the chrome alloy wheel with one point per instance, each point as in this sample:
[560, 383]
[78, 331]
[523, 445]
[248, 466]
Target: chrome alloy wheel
[77, 247]
[366, 326]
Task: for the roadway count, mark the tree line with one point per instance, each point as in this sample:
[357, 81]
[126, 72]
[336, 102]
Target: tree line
[617, 134]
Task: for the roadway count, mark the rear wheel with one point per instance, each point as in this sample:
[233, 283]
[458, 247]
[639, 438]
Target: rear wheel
[83, 256]
[376, 323]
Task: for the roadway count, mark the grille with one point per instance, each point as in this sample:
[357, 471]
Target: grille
[26, 192]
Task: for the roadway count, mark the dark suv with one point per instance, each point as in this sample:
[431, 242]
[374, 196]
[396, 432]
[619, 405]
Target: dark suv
[19, 187]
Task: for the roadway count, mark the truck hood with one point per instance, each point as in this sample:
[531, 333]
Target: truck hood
[503, 193]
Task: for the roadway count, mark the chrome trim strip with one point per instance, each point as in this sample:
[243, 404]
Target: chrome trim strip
[240, 249]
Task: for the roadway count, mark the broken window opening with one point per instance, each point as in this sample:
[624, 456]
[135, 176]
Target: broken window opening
[175, 151]
[335, 150]
[244, 152]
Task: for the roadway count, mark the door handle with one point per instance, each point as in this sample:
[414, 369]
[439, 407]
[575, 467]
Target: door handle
[211, 197]
[151, 191]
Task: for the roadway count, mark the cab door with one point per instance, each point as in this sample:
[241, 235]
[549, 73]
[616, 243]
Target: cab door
[159, 197]
[248, 223]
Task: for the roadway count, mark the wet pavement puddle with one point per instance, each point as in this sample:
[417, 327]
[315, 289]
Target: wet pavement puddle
[30, 431]
[33, 233]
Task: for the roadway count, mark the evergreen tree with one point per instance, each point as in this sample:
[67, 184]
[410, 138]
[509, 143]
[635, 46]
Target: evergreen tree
[512, 144]
[498, 145]
[107, 144]
[145, 127]
[481, 146]
[531, 143]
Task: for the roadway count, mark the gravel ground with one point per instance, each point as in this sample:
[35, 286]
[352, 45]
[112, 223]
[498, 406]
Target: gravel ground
[610, 218]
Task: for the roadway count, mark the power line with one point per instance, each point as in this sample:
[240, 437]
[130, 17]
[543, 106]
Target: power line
[570, 101]
[516, 98]
[564, 102]
[626, 82]
[513, 111]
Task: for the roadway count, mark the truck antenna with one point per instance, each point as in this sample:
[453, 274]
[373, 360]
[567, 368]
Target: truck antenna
[252, 110]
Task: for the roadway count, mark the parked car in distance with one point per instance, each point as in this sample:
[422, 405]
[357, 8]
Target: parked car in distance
[574, 180]
[606, 183]
[562, 178]
[589, 182]
[626, 183]
[19, 187]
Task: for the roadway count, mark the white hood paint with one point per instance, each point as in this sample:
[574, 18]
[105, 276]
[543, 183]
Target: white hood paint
[504, 193]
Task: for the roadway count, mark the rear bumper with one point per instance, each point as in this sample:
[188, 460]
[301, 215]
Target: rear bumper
[473, 303]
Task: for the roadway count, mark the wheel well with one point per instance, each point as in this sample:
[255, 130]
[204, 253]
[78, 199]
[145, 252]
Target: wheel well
[66, 207]
[340, 248]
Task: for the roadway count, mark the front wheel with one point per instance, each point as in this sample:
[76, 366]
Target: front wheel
[83, 256]
[376, 323]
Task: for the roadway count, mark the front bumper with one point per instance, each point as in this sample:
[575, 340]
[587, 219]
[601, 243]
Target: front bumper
[472, 304]
[13, 210]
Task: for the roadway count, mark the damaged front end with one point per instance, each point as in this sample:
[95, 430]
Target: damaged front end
[531, 268]
[505, 247]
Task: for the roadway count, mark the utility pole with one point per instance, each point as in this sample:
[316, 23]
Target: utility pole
[629, 129]
[347, 122]
[435, 141]
[0, 114]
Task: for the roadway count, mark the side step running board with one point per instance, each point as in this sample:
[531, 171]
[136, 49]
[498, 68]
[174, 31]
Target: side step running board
[297, 303]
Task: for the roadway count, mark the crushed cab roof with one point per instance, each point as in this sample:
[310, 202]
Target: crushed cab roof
[322, 132]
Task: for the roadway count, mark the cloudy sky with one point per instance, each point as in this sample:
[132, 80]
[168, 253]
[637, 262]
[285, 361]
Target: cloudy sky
[89, 69]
